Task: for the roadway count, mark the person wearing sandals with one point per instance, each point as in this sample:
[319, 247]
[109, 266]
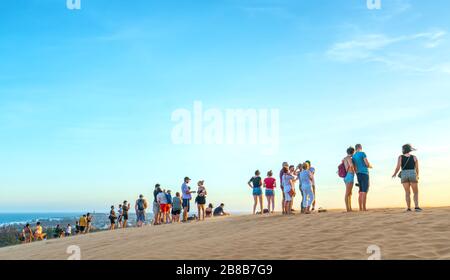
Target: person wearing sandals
[256, 184]
[201, 200]
[306, 178]
[349, 179]
[270, 185]
[409, 165]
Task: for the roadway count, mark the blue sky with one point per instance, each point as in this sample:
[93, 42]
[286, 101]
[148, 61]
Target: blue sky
[86, 96]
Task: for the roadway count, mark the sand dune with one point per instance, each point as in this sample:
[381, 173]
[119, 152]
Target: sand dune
[332, 235]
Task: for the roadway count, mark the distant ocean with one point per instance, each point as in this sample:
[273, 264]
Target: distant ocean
[20, 218]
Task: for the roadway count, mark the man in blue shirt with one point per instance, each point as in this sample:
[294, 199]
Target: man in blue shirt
[186, 196]
[362, 166]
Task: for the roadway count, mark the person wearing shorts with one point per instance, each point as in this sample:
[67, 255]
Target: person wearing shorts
[362, 166]
[162, 201]
[82, 224]
[285, 165]
[176, 208]
[409, 165]
[349, 178]
[112, 218]
[270, 185]
[125, 208]
[186, 196]
[140, 208]
[287, 180]
[156, 208]
[255, 184]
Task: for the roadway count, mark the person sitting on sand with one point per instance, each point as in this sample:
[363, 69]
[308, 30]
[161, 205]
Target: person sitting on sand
[409, 166]
[270, 185]
[306, 178]
[140, 207]
[209, 210]
[27, 234]
[201, 200]
[219, 211]
[82, 224]
[39, 232]
[255, 183]
[186, 196]
[349, 178]
[125, 208]
[58, 232]
[68, 231]
[112, 218]
[176, 208]
[162, 201]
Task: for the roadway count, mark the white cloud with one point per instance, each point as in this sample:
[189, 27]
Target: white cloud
[407, 52]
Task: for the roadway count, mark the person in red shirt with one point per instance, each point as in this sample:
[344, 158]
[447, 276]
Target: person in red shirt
[270, 184]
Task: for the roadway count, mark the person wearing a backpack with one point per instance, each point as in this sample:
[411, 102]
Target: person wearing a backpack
[140, 207]
[347, 172]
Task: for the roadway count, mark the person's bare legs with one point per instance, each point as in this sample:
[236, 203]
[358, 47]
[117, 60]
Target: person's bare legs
[363, 201]
[185, 214]
[407, 188]
[283, 204]
[360, 201]
[198, 211]
[287, 207]
[314, 202]
[255, 203]
[261, 203]
[203, 212]
[348, 197]
[415, 188]
[268, 203]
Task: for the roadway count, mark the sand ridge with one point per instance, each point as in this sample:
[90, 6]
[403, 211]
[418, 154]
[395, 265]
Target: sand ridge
[331, 235]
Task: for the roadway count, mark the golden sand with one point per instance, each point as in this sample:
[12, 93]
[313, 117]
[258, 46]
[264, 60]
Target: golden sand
[331, 235]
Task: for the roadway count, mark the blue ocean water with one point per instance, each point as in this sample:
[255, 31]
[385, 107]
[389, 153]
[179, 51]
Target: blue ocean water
[16, 218]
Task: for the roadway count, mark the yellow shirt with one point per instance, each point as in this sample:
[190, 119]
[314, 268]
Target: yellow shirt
[38, 230]
[83, 222]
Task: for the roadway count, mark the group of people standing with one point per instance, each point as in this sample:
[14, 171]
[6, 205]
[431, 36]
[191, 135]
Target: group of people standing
[355, 164]
[289, 176]
[168, 208]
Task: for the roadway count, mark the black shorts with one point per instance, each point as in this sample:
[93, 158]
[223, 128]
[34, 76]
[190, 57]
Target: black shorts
[176, 212]
[125, 217]
[200, 200]
[82, 228]
[113, 221]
